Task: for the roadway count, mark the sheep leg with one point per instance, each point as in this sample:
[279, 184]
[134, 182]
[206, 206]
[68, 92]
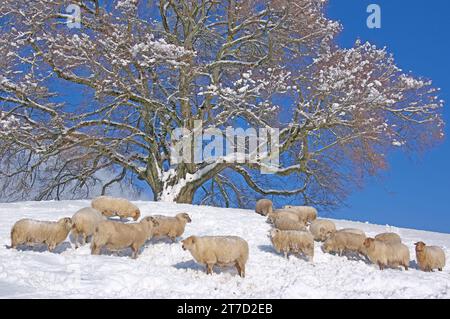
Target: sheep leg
[83, 238]
[241, 269]
[135, 249]
[75, 235]
[381, 266]
[209, 269]
[95, 250]
[406, 267]
[440, 269]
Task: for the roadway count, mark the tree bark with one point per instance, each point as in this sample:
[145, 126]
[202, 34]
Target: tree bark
[186, 195]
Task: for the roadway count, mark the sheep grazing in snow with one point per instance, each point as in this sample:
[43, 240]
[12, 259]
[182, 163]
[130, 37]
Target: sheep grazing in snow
[264, 207]
[171, 227]
[321, 229]
[341, 242]
[306, 213]
[389, 238]
[111, 206]
[29, 232]
[281, 213]
[385, 255]
[429, 257]
[284, 223]
[84, 222]
[352, 231]
[218, 250]
[116, 236]
[294, 242]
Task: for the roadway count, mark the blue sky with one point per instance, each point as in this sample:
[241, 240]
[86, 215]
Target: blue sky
[415, 191]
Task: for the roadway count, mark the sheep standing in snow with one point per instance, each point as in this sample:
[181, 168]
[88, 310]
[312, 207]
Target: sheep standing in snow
[111, 206]
[389, 238]
[341, 242]
[281, 213]
[29, 232]
[218, 250]
[352, 231]
[283, 223]
[117, 236]
[264, 207]
[385, 255]
[321, 229]
[306, 213]
[171, 227]
[84, 222]
[294, 242]
[429, 257]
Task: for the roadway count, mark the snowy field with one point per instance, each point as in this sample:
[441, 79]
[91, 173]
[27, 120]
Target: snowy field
[164, 270]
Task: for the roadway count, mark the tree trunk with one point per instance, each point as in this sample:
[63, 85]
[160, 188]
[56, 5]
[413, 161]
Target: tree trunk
[186, 195]
[177, 193]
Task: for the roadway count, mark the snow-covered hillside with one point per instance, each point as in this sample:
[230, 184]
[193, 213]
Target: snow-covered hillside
[165, 270]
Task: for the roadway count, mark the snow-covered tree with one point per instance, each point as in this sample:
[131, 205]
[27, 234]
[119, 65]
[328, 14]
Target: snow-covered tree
[109, 95]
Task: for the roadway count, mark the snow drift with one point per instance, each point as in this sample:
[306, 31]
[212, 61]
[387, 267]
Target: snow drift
[164, 270]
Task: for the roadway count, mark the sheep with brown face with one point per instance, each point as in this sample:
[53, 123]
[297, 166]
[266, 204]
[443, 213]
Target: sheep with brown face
[218, 250]
[382, 254]
[429, 257]
[389, 238]
[264, 207]
[84, 223]
[117, 236]
[111, 206]
[171, 227]
[293, 242]
[321, 229]
[30, 232]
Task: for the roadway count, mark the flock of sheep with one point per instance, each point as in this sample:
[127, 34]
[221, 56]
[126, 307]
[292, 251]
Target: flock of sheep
[291, 234]
[295, 230]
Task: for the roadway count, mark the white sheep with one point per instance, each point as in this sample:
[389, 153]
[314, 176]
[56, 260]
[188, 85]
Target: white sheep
[294, 242]
[117, 236]
[307, 213]
[429, 257]
[341, 242]
[282, 213]
[84, 222]
[264, 207]
[353, 231]
[384, 255]
[171, 227]
[321, 229]
[389, 238]
[218, 250]
[111, 206]
[283, 223]
[29, 232]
